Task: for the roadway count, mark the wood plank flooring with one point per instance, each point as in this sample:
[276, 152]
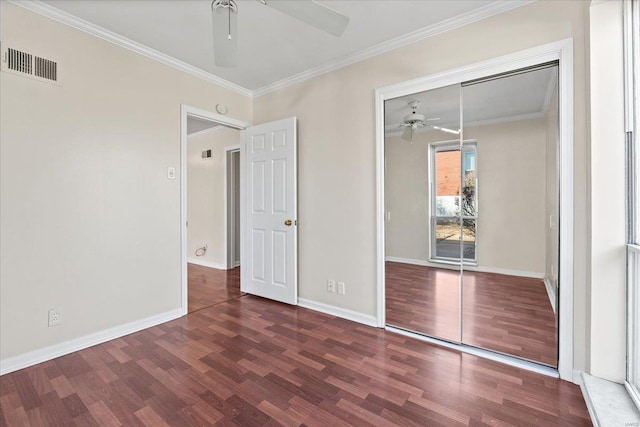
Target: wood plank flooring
[254, 362]
[508, 314]
[209, 286]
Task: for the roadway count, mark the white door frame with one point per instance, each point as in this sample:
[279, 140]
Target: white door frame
[189, 111]
[228, 256]
[561, 51]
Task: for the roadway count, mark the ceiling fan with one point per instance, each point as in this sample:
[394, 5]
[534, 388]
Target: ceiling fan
[224, 16]
[414, 120]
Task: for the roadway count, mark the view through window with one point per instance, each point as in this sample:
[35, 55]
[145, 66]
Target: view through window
[455, 181]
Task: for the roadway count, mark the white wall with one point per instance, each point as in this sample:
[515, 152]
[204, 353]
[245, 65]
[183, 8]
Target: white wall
[90, 223]
[336, 152]
[511, 193]
[608, 296]
[205, 194]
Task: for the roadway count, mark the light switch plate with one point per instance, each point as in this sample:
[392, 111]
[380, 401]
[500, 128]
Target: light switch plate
[171, 173]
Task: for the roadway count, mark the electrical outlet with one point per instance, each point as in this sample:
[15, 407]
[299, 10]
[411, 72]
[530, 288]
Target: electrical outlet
[55, 318]
[331, 285]
[341, 288]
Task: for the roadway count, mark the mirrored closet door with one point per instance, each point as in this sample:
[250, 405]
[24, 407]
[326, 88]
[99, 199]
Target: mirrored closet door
[513, 121]
[471, 227]
[422, 175]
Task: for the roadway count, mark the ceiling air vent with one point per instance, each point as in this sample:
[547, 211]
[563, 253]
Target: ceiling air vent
[29, 65]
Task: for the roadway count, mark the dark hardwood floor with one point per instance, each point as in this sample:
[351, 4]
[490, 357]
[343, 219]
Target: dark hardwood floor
[254, 362]
[209, 286]
[508, 314]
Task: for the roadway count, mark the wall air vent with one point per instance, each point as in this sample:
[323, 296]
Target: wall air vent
[21, 62]
[46, 69]
[29, 65]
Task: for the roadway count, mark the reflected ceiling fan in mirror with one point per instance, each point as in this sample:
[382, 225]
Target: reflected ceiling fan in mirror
[414, 120]
[224, 17]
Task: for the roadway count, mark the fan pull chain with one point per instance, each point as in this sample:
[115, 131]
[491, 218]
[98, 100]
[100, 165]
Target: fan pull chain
[229, 15]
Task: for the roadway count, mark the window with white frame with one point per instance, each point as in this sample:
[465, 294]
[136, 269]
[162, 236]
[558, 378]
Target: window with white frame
[632, 91]
[454, 202]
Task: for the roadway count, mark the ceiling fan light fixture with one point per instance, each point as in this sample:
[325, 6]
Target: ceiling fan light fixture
[224, 16]
[407, 135]
[414, 117]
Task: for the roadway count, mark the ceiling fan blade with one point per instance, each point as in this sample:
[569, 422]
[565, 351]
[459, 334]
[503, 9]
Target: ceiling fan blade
[225, 36]
[455, 132]
[407, 135]
[312, 13]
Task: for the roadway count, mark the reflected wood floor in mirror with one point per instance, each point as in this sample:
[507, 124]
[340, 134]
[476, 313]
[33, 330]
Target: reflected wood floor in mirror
[503, 313]
[209, 286]
[255, 362]
[423, 299]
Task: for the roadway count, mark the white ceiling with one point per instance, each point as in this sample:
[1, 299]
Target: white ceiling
[515, 97]
[195, 125]
[273, 46]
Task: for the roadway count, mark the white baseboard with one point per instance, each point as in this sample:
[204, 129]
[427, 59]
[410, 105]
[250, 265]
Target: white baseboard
[343, 313]
[480, 269]
[34, 357]
[550, 293]
[197, 261]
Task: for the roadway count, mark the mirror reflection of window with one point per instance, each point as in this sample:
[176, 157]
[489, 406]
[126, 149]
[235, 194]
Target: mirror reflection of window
[455, 181]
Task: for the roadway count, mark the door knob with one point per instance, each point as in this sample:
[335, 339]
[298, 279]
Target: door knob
[288, 223]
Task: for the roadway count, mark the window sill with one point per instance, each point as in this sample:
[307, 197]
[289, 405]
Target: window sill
[609, 403]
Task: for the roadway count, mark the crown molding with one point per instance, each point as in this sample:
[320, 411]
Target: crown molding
[44, 9]
[492, 9]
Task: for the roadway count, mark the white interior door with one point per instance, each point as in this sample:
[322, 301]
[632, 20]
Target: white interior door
[269, 231]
